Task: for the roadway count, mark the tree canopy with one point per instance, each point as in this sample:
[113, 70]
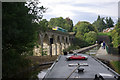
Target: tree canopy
[35, 9]
[99, 24]
[19, 36]
[109, 22]
[103, 23]
[61, 22]
[83, 27]
[90, 37]
[116, 35]
[85, 32]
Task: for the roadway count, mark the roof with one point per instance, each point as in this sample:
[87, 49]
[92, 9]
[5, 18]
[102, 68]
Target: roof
[61, 69]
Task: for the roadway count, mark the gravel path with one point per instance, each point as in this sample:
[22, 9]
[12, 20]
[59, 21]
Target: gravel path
[102, 54]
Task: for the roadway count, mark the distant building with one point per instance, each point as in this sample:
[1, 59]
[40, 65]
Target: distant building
[108, 29]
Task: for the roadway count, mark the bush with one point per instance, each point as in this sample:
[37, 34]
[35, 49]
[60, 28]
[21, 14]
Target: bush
[13, 63]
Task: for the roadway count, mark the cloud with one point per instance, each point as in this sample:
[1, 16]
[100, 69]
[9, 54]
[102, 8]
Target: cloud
[79, 10]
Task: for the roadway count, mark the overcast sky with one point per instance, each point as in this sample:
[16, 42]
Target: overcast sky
[81, 10]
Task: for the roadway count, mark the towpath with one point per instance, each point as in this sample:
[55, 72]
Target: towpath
[102, 54]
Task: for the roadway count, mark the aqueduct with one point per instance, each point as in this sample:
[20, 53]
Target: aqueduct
[53, 42]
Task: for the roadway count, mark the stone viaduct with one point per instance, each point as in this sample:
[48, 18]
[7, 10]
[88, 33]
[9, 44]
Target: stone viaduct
[53, 42]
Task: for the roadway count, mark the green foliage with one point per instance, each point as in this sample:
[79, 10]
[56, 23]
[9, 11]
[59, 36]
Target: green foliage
[79, 35]
[85, 34]
[103, 23]
[116, 35]
[109, 22]
[115, 38]
[69, 24]
[64, 23]
[107, 34]
[79, 43]
[18, 31]
[35, 9]
[90, 37]
[83, 27]
[43, 25]
[19, 37]
[99, 24]
[56, 22]
[13, 63]
[116, 66]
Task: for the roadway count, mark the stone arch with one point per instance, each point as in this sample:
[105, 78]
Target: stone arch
[46, 39]
[66, 40]
[46, 44]
[53, 45]
[62, 42]
[58, 39]
[63, 39]
[37, 49]
[58, 44]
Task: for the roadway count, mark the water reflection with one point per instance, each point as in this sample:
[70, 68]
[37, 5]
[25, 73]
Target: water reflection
[42, 73]
[92, 51]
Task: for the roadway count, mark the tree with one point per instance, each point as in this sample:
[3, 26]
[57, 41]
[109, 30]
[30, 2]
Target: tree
[19, 36]
[85, 32]
[90, 37]
[98, 17]
[43, 25]
[83, 27]
[68, 24]
[56, 22]
[116, 35]
[35, 9]
[99, 24]
[109, 22]
[61, 22]
[118, 19]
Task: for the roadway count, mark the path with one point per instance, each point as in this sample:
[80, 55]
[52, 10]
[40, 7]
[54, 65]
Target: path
[102, 54]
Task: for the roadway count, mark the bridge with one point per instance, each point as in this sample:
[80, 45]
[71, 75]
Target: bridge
[52, 42]
[102, 38]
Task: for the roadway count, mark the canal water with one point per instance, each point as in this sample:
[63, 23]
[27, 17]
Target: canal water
[42, 73]
[92, 51]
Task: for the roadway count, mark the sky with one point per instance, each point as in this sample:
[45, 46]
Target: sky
[80, 10]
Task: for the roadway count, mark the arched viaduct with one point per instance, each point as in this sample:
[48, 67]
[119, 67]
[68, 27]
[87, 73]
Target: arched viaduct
[53, 42]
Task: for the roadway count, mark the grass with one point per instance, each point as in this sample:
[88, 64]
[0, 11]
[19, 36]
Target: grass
[116, 65]
[103, 34]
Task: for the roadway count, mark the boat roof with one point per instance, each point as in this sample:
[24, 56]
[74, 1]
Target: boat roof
[61, 69]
